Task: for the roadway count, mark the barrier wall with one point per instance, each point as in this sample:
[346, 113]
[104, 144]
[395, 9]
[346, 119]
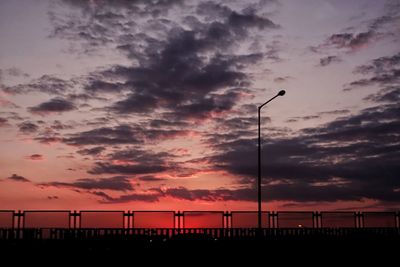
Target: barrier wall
[100, 219]
[46, 219]
[203, 219]
[294, 219]
[6, 219]
[154, 219]
[379, 219]
[338, 219]
[249, 219]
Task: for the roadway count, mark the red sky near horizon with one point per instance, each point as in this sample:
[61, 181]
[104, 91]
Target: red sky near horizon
[152, 105]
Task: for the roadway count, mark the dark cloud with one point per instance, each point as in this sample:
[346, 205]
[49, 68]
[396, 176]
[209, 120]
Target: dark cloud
[99, 121]
[116, 183]
[282, 79]
[351, 41]
[134, 161]
[55, 105]
[319, 115]
[245, 21]
[181, 193]
[122, 134]
[382, 65]
[185, 72]
[35, 157]
[58, 125]
[380, 79]
[304, 118]
[149, 197]
[75, 97]
[109, 168]
[103, 23]
[283, 192]
[141, 157]
[197, 194]
[46, 84]
[28, 127]
[155, 8]
[105, 197]
[48, 138]
[182, 83]
[149, 178]
[335, 112]
[12, 116]
[14, 72]
[350, 158]
[104, 87]
[3, 122]
[239, 123]
[162, 123]
[385, 73]
[18, 178]
[310, 117]
[136, 103]
[91, 151]
[385, 26]
[328, 60]
[232, 128]
[210, 106]
[387, 94]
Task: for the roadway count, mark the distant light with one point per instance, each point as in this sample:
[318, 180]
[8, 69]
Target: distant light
[300, 225]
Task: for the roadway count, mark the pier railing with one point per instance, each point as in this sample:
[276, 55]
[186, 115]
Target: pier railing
[107, 219]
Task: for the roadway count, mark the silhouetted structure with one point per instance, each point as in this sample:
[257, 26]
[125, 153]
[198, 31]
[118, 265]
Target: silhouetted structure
[118, 232]
[281, 93]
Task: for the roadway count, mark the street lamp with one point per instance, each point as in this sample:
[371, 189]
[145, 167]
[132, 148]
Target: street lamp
[281, 93]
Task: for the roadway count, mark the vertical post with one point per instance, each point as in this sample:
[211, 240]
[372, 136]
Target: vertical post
[259, 170]
[74, 214]
[19, 214]
[281, 93]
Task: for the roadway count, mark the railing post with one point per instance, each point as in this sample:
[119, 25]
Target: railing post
[227, 220]
[179, 216]
[360, 219]
[19, 214]
[274, 219]
[317, 219]
[74, 214]
[127, 218]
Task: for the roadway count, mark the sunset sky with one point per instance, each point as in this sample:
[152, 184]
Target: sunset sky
[152, 104]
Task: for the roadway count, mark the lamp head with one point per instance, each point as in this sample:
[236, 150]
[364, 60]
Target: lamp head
[281, 93]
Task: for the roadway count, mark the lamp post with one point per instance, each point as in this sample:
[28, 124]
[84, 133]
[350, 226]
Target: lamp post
[281, 93]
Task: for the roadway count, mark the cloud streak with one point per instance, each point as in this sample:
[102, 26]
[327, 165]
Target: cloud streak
[35, 157]
[18, 178]
[115, 183]
[55, 105]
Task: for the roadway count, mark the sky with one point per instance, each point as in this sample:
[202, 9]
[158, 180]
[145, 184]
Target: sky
[152, 105]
